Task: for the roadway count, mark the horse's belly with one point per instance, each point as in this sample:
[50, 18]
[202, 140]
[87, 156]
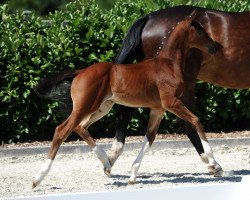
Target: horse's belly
[228, 75]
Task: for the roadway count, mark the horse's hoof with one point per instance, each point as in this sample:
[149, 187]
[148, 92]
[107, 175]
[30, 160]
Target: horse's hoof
[107, 171]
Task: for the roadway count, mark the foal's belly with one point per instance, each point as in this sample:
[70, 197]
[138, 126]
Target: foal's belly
[136, 100]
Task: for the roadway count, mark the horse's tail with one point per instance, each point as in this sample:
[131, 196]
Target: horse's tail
[49, 86]
[131, 41]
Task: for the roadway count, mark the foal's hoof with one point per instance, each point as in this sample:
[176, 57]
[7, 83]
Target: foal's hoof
[211, 170]
[204, 158]
[218, 172]
[131, 182]
[107, 171]
[221, 173]
[33, 184]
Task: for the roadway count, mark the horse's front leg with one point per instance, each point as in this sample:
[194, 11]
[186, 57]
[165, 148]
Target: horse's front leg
[153, 125]
[124, 116]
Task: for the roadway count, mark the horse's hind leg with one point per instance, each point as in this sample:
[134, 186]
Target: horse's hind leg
[61, 134]
[82, 131]
[176, 106]
[153, 125]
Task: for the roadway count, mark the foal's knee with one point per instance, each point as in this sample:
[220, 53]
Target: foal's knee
[61, 133]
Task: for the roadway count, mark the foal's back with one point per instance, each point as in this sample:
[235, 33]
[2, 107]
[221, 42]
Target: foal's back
[135, 85]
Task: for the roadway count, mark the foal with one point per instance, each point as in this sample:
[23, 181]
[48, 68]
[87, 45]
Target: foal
[156, 83]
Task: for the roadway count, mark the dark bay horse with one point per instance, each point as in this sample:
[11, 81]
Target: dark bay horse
[97, 88]
[230, 68]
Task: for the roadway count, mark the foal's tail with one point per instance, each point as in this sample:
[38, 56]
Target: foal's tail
[57, 88]
[48, 85]
[131, 41]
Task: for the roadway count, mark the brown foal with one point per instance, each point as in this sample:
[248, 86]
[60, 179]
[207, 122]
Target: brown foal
[155, 83]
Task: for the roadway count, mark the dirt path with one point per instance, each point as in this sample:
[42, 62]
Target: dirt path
[81, 172]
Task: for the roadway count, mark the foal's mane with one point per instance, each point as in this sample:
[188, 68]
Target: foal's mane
[178, 36]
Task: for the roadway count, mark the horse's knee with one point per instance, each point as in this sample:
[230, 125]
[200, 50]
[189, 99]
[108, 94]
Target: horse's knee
[151, 138]
[197, 124]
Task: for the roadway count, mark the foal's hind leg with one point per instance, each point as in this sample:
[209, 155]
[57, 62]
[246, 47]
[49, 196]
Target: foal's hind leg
[82, 131]
[176, 106]
[61, 134]
[153, 125]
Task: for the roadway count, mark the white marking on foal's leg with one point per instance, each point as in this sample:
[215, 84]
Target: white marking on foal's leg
[138, 160]
[213, 166]
[204, 158]
[102, 156]
[115, 151]
[42, 172]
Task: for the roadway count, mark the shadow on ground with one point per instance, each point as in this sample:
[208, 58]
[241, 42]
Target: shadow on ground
[175, 178]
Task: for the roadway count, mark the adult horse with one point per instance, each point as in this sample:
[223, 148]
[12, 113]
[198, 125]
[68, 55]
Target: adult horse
[97, 88]
[230, 68]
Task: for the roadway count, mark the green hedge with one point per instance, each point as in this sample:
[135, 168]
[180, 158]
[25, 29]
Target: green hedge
[81, 34]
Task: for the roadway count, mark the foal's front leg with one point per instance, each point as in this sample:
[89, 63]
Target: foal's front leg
[175, 106]
[82, 131]
[153, 125]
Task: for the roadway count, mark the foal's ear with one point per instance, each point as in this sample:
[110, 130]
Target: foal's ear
[191, 17]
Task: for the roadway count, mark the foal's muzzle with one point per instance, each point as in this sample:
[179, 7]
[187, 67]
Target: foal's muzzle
[213, 48]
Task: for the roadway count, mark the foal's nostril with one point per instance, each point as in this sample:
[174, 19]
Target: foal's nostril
[212, 49]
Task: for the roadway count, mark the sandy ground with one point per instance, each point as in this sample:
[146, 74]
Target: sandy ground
[83, 172]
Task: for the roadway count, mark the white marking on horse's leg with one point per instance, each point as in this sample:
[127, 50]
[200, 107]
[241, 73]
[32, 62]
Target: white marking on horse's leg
[102, 156]
[115, 151]
[42, 172]
[138, 160]
[213, 166]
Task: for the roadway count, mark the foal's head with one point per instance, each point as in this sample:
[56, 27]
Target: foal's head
[189, 33]
[199, 38]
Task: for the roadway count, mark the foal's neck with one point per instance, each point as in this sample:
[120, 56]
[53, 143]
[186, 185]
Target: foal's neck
[175, 47]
